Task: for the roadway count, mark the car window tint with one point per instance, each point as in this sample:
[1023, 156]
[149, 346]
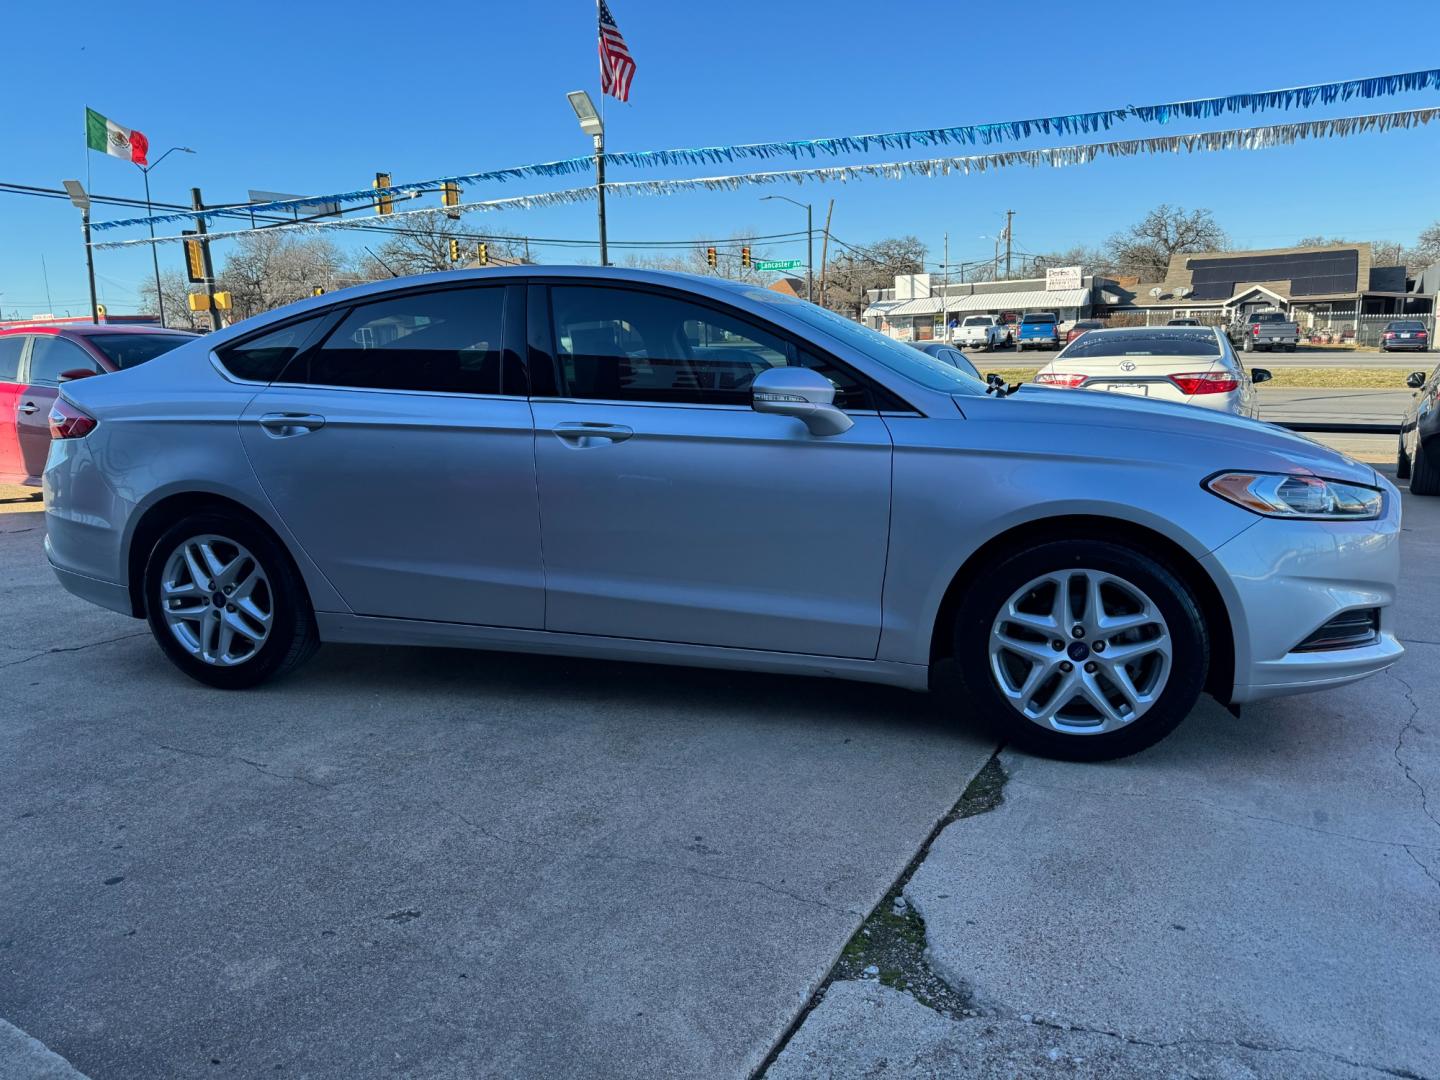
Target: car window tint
[263, 358]
[130, 350]
[447, 341]
[51, 355]
[1175, 341]
[630, 345]
[10, 350]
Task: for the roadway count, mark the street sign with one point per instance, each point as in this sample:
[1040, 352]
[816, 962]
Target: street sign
[777, 264]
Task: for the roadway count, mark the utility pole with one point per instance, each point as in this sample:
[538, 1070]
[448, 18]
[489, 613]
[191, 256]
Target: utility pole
[197, 204]
[825, 250]
[945, 289]
[600, 193]
[1009, 229]
[80, 199]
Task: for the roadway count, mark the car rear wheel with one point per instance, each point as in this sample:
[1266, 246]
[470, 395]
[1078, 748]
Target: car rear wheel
[1084, 650]
[1424, 477]
[226, 604]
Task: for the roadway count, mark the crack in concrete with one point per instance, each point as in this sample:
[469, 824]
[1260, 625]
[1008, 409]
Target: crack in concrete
[258, 766]
[1245, 1044]
[73, 648]
[641, 860]
[1424, 869]
[1400, 745]
[1221, 807]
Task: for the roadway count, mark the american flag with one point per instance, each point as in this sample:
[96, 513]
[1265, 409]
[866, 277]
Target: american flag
[616, 66]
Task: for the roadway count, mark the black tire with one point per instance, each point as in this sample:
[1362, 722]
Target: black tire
[292, 638]
[1402, 460]
[1189, 637]
[1289, 348]
[1424, 476]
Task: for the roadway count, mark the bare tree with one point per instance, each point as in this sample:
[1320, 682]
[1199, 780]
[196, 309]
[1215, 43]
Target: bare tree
[696, 259]
[423, 246]
[875, 266]
[1426, 252]
[1145, 248]
[175, 289]
[269, 269]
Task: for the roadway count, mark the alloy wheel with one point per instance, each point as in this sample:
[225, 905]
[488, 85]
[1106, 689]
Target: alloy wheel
[1081, 652]
[216, 600]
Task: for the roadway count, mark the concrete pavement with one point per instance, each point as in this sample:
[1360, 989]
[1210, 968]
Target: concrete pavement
[432, 863]
[1287, 405]
[1256, 896]
[1308, 356]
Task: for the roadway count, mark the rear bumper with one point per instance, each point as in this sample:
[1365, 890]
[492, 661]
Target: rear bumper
[1404, 346]
[106, 594]
[1286, 579]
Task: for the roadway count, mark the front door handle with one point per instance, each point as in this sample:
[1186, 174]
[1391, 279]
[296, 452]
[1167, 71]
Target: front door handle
[28, 408]
[288, 425]
[584, 434]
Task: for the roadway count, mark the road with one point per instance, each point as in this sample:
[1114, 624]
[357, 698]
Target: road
[1283, 404]
[1342, 358]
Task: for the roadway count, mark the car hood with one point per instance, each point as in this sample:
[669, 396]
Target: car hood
[1238, 442]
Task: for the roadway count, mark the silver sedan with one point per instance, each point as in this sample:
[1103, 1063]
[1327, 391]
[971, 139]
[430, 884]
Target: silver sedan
[655, 467]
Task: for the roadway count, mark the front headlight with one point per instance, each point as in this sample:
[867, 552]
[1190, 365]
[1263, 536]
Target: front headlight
[1296, 495]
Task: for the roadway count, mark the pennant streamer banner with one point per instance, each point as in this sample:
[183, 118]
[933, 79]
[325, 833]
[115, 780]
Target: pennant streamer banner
[970, 134]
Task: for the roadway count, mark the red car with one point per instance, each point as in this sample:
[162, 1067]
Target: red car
[1080, 328]
[35, 360]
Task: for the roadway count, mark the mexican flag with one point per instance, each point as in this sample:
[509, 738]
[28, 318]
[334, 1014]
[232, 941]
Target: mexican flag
[108, 137]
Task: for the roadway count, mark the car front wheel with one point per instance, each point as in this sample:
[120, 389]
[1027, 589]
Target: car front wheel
[1084, 650]
[226, 604]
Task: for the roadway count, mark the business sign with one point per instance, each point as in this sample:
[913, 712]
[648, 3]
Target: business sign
[323, 209]
[777, 264]
[1059, 278]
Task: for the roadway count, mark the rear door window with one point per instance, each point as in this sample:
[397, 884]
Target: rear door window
[443, 341]
[263, 358]
[51, 355]
[10, 349]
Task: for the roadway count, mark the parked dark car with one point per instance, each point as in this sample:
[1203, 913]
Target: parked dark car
[1183, 322]
[949, 354]
[35, 360]
[1404, 334]
[1080, 328]
[1418, 458]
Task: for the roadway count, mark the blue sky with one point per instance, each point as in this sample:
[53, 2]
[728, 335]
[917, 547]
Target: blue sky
[287, 98]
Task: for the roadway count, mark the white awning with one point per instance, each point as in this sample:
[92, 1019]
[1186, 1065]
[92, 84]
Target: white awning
[1031, 300]
[928, 306]
[881, 307]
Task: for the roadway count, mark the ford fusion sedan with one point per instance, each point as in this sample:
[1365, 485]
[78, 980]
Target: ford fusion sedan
[635, 465]
[1194, 366]
[35, 360]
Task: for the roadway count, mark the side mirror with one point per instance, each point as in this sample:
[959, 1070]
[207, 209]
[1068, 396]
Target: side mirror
[802, 393]
[1415, 380]
[1260, 374]
[992, 379]
[77, 373]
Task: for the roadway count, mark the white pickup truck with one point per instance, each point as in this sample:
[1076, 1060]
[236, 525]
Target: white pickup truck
[981, 332]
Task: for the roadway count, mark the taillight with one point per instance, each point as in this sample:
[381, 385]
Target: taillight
[1060, 380]
[68, 422]
[1419, 333]
[1390, 333]
[1206, 382]
[1255, 329]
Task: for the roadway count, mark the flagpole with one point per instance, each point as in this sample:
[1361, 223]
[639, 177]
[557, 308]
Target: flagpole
[600, 145]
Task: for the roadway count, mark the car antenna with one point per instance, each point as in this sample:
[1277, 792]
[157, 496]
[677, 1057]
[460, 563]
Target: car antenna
[382, 262]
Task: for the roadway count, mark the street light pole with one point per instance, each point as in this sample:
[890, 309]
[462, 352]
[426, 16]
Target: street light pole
[81, 200]
[809, 241]
[150, 212]
[591, 124]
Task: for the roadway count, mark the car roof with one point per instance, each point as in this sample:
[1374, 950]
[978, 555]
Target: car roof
[86, 329]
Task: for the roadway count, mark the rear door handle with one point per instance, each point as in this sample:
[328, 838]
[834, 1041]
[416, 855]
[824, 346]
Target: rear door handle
[585, 434]
[287, 425]
[28, 408]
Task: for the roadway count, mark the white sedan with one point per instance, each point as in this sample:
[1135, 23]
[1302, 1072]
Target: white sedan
[1190, 364]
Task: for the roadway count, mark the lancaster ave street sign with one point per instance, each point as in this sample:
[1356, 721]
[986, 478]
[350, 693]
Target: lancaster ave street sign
[777, 264]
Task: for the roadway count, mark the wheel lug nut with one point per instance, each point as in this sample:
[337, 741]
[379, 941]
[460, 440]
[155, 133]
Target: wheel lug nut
[229, 589]
[1099, 646]
[1066, 666]
[1078, 632]
[1090, 667]
[229, 607]
[1057, 645]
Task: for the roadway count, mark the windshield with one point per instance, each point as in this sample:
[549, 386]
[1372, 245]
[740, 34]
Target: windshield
[130, 350]
[1045, 318]
[1406, 326]
[1177, 341]
[977, 320]
[911, 363]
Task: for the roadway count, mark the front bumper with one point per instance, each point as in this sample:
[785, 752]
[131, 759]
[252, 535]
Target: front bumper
[1283, 580]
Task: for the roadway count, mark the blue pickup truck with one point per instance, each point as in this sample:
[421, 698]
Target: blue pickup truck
[1038, 330]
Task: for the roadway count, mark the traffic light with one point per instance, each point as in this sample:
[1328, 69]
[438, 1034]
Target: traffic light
[384, 201]
[454, 250]
[198, 301]
[745, 258]
[482, 253]
[194, 257]
[222, 301]
[450, 196]
[100, 310]
[710, 257]
[318, 290]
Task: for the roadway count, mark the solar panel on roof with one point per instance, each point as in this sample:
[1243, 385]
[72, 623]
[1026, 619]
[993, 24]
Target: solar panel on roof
[1310, 273]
